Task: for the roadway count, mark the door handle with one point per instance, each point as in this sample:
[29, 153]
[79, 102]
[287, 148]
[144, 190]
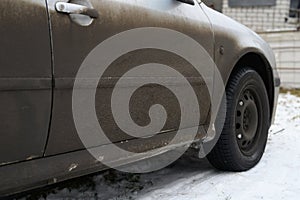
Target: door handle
[71, 8]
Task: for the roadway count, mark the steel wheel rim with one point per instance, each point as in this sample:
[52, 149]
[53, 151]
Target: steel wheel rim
[247, 120]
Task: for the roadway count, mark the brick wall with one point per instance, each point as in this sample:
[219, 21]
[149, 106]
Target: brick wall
[261, 18]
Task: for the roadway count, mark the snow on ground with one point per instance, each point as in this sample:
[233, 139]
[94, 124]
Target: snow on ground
[277, 176]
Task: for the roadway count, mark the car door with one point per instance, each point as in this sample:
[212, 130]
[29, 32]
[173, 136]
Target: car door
[74, 36]
[25, 80]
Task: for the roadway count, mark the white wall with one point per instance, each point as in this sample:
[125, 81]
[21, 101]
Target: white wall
[286, 46]
[261, 18]
[269, 22]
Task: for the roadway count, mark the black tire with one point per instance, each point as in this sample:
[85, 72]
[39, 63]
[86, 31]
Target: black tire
[245, 132]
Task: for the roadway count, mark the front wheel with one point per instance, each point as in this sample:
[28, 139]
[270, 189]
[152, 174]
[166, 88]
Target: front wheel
[245, 132]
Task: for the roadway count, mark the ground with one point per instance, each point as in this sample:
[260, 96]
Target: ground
[277, 176]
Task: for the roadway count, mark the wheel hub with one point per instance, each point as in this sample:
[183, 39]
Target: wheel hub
[246, 120]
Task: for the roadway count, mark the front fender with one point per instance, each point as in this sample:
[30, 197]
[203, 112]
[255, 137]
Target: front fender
[233, 41]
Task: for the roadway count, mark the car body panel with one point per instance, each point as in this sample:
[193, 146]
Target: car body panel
[236, 40]
[65, 156]
[25, 79]
[72, 43]
[54, 169]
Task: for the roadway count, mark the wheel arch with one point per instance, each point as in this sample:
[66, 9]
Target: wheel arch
[260, 64]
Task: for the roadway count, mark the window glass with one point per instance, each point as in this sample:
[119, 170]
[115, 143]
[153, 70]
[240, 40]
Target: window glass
[294, 8]
[237, 3]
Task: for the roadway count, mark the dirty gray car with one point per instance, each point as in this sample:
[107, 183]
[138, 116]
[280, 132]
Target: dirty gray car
[44, 42]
